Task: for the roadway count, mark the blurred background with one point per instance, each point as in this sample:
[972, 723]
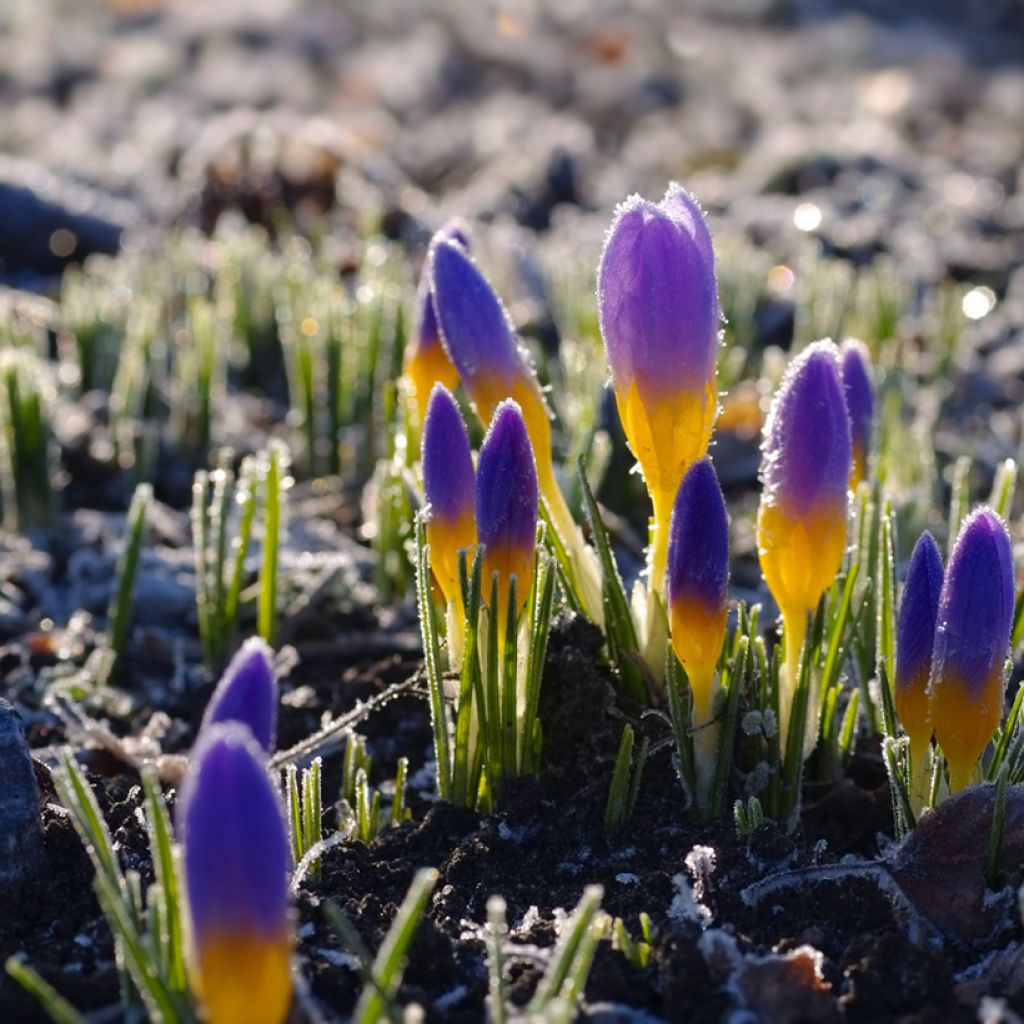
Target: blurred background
[873, 125]
[860, 162]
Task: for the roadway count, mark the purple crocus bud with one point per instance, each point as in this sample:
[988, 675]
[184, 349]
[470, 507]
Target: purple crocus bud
[972, 640]
[915, 639]
[860, 403]
[480, 340]
[658, 301]
[450, 489]
[426, 361]
[248, 693]
[805, 476]
[236, 856]
[506, 505]
[698, 579]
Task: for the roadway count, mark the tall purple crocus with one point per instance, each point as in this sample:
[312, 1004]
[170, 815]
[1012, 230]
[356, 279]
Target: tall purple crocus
[860, 403]
[805, 476]
[972, 640]
[232, 828]
[658, 301]
[248, 693]
[450, 489]
[506, 506]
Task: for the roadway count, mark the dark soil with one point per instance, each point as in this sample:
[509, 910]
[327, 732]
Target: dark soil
[827, 950]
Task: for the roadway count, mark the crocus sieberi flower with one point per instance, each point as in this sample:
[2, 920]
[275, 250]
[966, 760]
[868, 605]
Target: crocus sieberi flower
[697, 581]
[506, 506]
[860, 404]
[236, 856]
[426, 362]
[972, 640]
[658, 303]
[449, 488]
[915, 640]
[248, 693]
[805, 476]
[479, 337]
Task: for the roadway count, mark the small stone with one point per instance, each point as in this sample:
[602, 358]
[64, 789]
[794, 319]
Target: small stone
[21, 837]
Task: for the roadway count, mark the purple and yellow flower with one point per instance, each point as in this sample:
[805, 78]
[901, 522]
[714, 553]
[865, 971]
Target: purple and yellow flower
[248, 693]
[506, 506]
[915, 641]
[450, 490]
[972, 640]
[805, 476]
[426, 362]
[860, 404]
[697, 580]
[658, 300]
[236, 856]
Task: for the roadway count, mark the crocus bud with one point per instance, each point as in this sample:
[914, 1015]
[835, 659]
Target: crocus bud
[426, 361]
[248, 693]
[805, 476]
[972, 640]
[480, 340]
[449, 487]
[697, 579]
[506, 506]
[860, 404]
[658, 301]
[236, 857]
[915, 639]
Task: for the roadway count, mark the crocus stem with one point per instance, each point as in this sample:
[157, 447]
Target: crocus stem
[658, 554]
[920, 774]
[456, 621]
[794, 629]
[706, 734]
[587, 570]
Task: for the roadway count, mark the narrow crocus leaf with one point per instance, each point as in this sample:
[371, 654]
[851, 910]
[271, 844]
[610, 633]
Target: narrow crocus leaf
[232, 828]
[697, 579]
[658, 303]
[972, 640]
[915, 639]
[248, 693]
[426, 361]
[507, 504]
[801, 522]
[449, 488]
[860, 404]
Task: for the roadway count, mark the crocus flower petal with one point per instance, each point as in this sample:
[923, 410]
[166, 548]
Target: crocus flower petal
[805, 474]
[658, 296]
[972, 641]
[915, 638]
[475, 328]
[449, 487]
[860, 404]
[248, 693]
[506, 503]
[426, 361]
[698, 578]
[236, 857]
[658, 304]
[481, 342]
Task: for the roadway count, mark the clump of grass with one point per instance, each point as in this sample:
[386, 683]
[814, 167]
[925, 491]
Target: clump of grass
[28, 464]
[382, 974]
